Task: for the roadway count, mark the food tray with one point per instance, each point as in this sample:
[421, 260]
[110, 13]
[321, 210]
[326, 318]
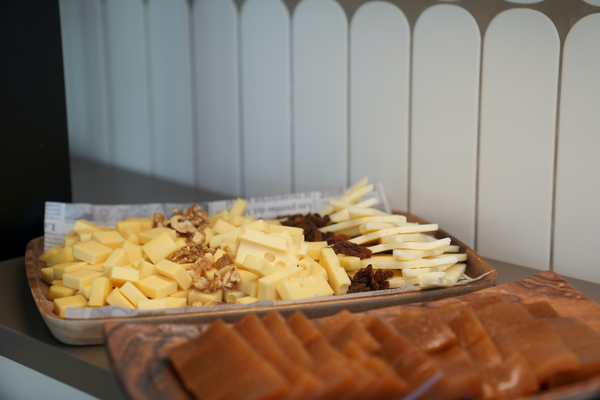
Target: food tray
[89, 331]
[138, 352]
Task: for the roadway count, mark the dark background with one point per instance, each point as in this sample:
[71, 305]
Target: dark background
[34, 148]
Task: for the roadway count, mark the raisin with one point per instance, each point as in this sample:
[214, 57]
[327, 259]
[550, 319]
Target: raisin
[365, 280]
[310, 224]
[351, 249]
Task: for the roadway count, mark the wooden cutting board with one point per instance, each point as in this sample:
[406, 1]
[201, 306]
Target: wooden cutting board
[138, 352]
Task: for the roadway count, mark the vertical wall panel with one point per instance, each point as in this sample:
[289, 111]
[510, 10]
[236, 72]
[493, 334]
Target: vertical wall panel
[445, 106]
[216, 84]
[170, 90]
[127, 84]
[320, 68]
[379, 87]
[265, 41]
[577, 184]
[85, 81]
[518, 125]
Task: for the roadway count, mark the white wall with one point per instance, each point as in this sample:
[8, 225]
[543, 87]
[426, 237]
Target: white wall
[485, 127]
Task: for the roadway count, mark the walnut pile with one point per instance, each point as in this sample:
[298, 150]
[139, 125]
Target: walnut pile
[351, 249]
[365, 280]
[190, 224]
[226, 277]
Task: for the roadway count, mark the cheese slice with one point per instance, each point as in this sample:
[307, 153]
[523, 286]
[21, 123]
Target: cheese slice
[372, 237]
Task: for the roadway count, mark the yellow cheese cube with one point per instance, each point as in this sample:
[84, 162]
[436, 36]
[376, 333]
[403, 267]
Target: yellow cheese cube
[349, 263]
[258, 266]
[246, 300]
[146, 236]
[76, 301]
[132, 225]
[230, 236]
[259, 225]
[47, 275]
[248, 283]
[65, 268]
[58, 291]
[84, 235]
[152, 304]
[230, 296]
[64, 255]
[80, 278]
[278, 258]
[196, 295]
[85, 224]
[146, 223]
[70, 240]
[314, 249]
[57, 282]
[307, 266]
[146, 269]
[118, 258]
[267, 285]
[337, 276]
[110, 238]
[239, 207]
[222, 226]
[319, 285]
[47, 256]
[272, 241]
[85, 291]
[182, 293]
[208, 233]
[91, 252]
[101, 288]
[116, 298]
[120, 275]
[210, 274]
[159, 247]
[132, 293]
[180, 242]
[176, 272]
[134, 251]
[96, 267]
[130, 236]
[291, 229]
[157, 286]
[294, 289]
[236, 220]
[175, 302]
[224, 215]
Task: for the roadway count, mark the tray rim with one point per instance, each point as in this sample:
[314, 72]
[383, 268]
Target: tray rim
[75, 331]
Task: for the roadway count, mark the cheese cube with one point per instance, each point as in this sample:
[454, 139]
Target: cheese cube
[58, 291]
[65, 268]
[70, 240]
[146, 236]
[230, 296]
[210, 274]
[267, 285]
[76, 301]
[132, 225]
[91, 252]
[183, 293]
[307, 266]
[120, 275]
[152, 304]
[84, 235]
[85, 291]
[224, 215]
[175, 302]
[64, 255]
[134, 251]
[157, 286]
[176, 272]
[146, 269]
[319, 285]
[57, 282]
[246, 300]
[258, 266]
[159, 247]
[47, 256]
[318, 270]
[294, 289]
[215, 240]
[196, 295]
[101, 288]
[259, 225]
[80, 278]
[338, 279]
[248, 283]
[47, 275]
[349, 263]
[278, 243]
[278, 258]
[130, 236]
[118, 258]
[236, 220]
[146, 223]
[222, 226]
[291, 229]
[208, 233]
[97, 267]
[110, 238]
[132, 293]
[238, 208]
[116, 298]
[85, 224]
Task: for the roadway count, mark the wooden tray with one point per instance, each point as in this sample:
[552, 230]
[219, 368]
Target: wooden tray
[138, 352]
[89, 331]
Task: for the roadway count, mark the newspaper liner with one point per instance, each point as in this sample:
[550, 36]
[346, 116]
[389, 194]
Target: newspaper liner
[60, 218]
